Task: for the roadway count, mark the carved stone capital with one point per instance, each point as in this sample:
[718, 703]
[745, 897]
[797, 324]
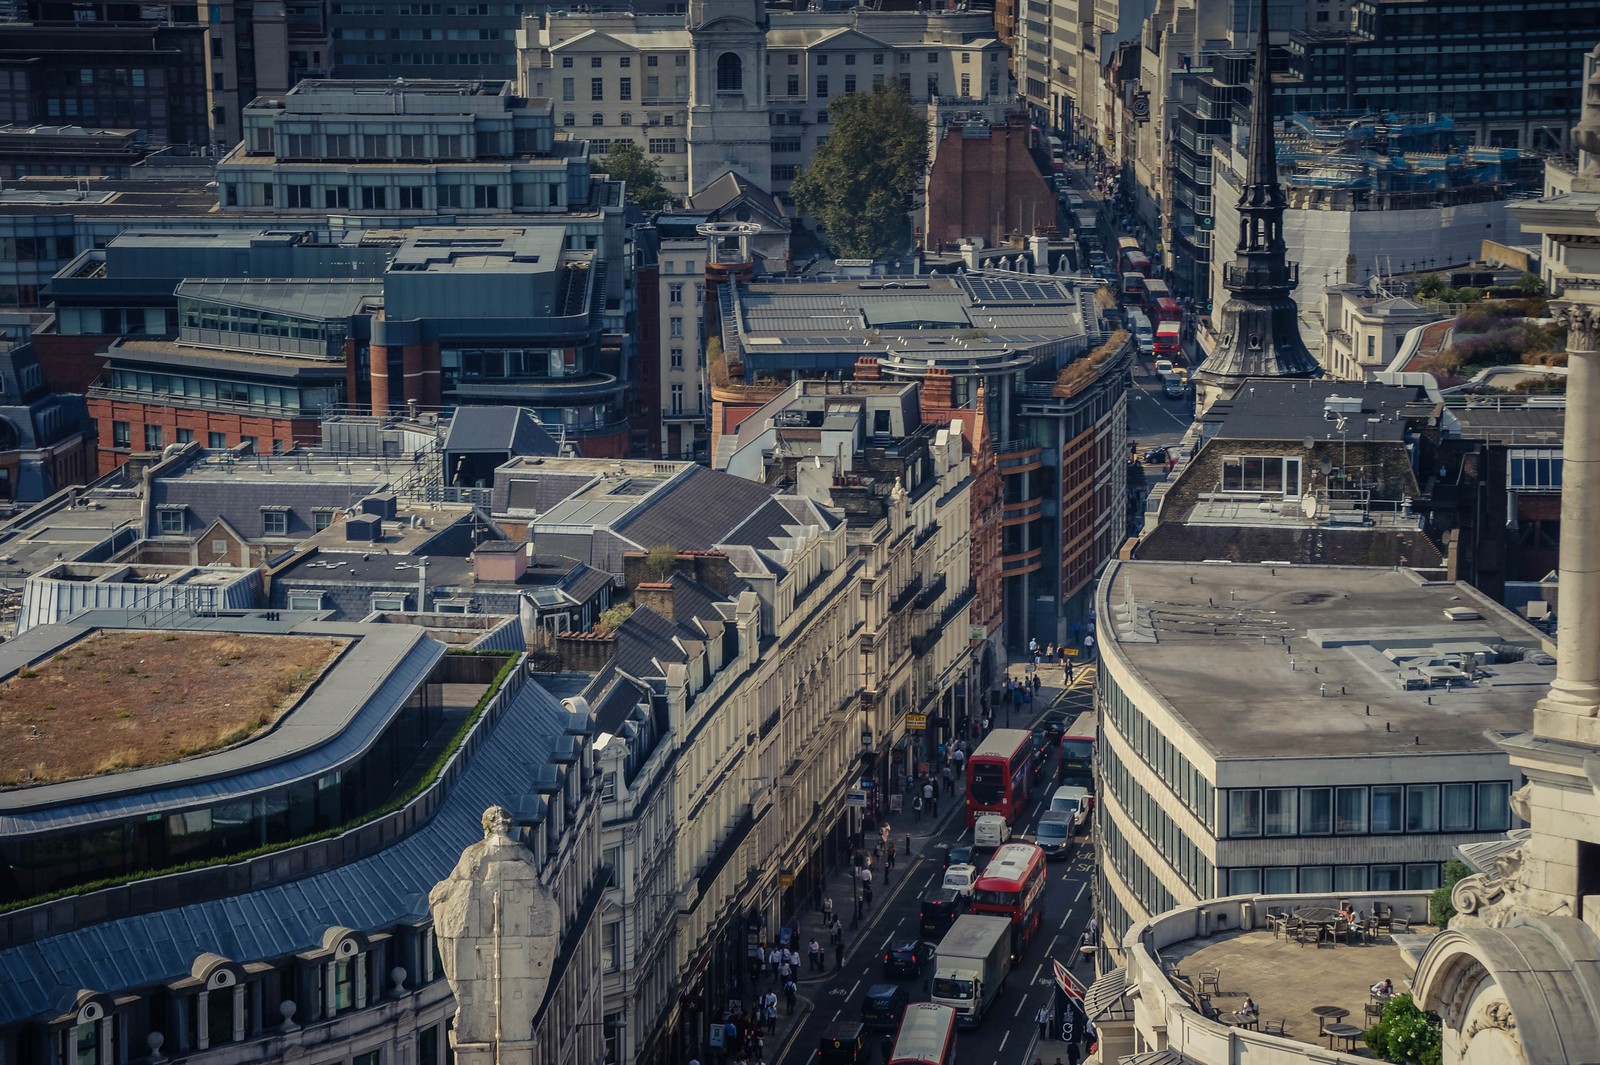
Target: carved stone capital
[1583, 324]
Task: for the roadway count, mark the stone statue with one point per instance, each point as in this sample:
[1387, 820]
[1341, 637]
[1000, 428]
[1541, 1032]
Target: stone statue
[1586, 134]
[499, 931]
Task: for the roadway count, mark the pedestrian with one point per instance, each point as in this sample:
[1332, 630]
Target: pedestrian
[866, 895]
[1036, 683]
[1072, 1053]
[948, 776]
[916, 808]
[890, 858]
[769, 1004]
[775, 958]
[827, 910]
[816, 955]
[1043, 1017]
[838, 955]
[788, 995]
[1068, 663]
[1088, 647]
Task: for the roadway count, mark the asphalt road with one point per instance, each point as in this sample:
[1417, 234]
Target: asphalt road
[1008, 1030]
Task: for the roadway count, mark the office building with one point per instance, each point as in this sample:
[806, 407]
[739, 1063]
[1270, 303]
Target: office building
[1281, 729]
[337, 841]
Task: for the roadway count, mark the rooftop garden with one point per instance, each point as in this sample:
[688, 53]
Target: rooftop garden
[1495, 330]
[117, 700]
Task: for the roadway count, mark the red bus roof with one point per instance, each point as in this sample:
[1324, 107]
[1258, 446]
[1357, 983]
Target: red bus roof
[1010, 865]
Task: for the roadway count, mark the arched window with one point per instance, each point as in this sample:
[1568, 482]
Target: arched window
[569, 119]
[627, 118]
[597, 119]
[730, 73]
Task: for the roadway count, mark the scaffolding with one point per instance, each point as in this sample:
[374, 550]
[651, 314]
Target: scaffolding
[1371, 160]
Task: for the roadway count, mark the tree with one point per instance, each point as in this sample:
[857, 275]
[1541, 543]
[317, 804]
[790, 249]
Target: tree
[660, 560]
[627, 162]
[1529, 284]
[860, 182]
[1430, 286]
[1440, 908]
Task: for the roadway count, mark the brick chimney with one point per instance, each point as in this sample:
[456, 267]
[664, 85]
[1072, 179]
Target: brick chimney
[937, 389]
[657, 595]
[867, 368]
[586, 652]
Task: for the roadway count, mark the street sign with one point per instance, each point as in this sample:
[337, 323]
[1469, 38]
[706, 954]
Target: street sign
[856, 798]
[978, 632]
[1070, 652]
[786, 880]
[916, 722]
[867, 784]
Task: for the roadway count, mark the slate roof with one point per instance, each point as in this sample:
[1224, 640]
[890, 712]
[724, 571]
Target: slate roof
[729, 189]
[695, 511]
[1283, 409]
[515, 430]
[373, 893]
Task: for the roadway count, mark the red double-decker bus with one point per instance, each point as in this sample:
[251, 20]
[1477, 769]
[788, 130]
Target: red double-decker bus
[1013, 886]
[927, 1036]
[999, 779]
[1077, 755]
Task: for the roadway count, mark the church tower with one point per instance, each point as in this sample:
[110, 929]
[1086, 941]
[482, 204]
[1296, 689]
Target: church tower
[729, 128]
[1258, 332]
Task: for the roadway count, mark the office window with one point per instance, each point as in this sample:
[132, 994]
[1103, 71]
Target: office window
[185, 436]
[595, 61]
[1349, 878]
[1244, 812]
[321, 519]
[966, 57]
[794, 59]
[336, 198]
[1316, 879]
[597, 88]
[877, 59]
[411, 199]
[675, 293]
[966, 86]
[677, 399]
[374, 146]
[651, 60]
[597, 119]
[152, 438]
[1316, 811]
[933, 57]
[822, 59]
[486, 196]
[566, 61]
[275, 523]
[652, 88]
[1350, 811]
[849, 83]
[624, 88]
[625, 61]
[933, 86]
[337, 145]
[1244, 881]
[297, 196]
[822, 87]
[216, 440]
[677, 358]
[1278, 881]
[171, 521]
[121, 434]
[569, 119]
[793, 86]
[675, 326]
[1455, 808]
[1494, 807]
[850, 60]
[1384, 878]
[1278, 805]
[568, 90]
[1422, 876]
[1387, 815]
[374, 199]
[1422, 808]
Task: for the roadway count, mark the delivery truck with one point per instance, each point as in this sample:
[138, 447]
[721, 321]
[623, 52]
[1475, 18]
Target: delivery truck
[970, 965]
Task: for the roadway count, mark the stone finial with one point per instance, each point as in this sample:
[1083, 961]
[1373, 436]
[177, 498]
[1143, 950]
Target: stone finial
[1586, 134]
[499, 931]
[1583, 324]
[154, 1041]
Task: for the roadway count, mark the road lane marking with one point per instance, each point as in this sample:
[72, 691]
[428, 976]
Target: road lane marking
[852, 992]
[1079, 895]
[1037, 970]
[1002, 1045]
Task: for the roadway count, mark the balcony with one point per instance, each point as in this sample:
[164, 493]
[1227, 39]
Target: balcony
[907, 594]
[930, 595]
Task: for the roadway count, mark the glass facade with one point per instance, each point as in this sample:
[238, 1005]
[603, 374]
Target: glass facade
[220, 394]
[1361, 810]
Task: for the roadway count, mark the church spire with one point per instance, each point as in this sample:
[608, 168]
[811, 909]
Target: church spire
[1258, 328]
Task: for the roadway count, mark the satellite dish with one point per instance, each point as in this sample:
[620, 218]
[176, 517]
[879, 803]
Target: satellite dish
[1310, 442]
[1308, 504]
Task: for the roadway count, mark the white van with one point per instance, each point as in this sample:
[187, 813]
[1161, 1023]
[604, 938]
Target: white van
[1143, 334]
[1072, 800]
[990, 830]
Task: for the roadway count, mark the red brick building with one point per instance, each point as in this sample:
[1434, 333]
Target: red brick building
[985, 184]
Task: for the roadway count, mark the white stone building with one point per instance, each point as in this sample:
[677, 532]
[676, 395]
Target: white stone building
[1364, 329]
[653, 79]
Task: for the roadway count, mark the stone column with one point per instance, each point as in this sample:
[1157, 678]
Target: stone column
[1576, 689]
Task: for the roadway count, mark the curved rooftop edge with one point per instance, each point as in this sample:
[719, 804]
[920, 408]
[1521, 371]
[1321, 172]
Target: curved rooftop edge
[337, 719]
[374, 877]
[1162, 1017]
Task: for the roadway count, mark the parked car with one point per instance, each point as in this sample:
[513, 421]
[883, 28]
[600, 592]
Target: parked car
[906, 959]
[1156, 456]
[960, 878]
